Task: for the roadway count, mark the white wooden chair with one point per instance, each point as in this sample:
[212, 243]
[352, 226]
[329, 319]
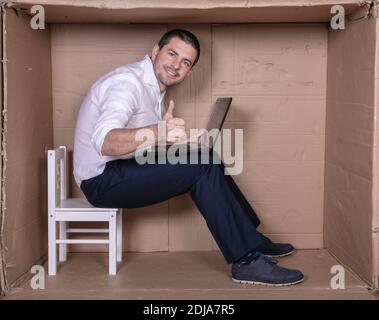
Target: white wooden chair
[61, 210]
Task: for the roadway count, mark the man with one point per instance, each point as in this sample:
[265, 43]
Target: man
[130, 98]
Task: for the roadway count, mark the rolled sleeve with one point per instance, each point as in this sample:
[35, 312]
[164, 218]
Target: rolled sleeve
[116, 107]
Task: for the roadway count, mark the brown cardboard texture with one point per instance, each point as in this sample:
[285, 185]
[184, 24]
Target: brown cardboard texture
[28, 134]
[305, 95]
[196, 275]
[349, 145]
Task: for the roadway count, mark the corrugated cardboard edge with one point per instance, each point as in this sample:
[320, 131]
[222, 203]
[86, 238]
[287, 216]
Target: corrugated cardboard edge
[3, 276]
[375, 189]
[183, 4]
[197, 11]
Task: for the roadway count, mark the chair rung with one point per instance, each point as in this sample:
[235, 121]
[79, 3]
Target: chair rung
[89, 241]
[80, 216]
[91, 230]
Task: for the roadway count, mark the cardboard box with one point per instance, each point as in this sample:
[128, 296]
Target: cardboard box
[306, 96]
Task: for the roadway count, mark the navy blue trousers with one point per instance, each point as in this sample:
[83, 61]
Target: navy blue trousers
[229, 216]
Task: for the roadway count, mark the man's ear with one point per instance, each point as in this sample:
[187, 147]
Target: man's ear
[154, 52]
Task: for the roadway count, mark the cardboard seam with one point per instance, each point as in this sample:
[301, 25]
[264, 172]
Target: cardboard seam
[25, 277]
[352, 271]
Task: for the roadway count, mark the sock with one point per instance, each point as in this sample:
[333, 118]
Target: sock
[247, 258]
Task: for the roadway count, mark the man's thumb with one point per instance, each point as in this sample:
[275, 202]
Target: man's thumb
[170, 109]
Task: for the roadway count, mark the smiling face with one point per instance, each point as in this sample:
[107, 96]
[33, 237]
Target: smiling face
[173, 62]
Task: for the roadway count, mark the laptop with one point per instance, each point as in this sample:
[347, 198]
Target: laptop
[218, 115]
[216, 121]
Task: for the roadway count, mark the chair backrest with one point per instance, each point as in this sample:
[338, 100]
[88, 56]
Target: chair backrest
[56, 177]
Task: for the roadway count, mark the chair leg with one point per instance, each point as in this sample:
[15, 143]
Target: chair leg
[62, 236]
[52, 247]
[119, 235]
[112, 245]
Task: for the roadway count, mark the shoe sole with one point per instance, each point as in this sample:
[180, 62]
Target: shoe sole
[268, 284]
[280, 255]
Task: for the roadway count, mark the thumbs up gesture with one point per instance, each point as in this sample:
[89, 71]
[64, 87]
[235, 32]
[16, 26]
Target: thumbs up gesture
[174, 126]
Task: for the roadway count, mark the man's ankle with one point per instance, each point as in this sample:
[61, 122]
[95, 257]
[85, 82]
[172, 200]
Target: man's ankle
[248, 257]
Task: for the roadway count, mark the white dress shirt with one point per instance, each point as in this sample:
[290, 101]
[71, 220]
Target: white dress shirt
[127, 97]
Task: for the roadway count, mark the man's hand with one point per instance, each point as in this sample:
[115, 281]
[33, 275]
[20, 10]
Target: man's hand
[175, 126]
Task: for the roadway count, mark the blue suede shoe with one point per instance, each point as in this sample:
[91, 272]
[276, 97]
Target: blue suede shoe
[270, 249]
[265, 271]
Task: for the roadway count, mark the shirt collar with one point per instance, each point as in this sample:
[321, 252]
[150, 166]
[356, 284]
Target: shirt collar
[149, 76]
[148, 72]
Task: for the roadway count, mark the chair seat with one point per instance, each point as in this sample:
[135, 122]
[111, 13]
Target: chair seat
[80, 204]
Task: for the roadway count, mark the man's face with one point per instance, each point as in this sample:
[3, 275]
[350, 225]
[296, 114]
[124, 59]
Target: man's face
[173, 62]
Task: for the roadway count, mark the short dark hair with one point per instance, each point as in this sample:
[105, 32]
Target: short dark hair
[183, 35]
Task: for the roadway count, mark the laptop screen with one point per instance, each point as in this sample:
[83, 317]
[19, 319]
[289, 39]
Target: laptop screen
[217, 118]
[219, 112]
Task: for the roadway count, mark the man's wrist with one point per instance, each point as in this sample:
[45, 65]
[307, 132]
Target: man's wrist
[155, 129]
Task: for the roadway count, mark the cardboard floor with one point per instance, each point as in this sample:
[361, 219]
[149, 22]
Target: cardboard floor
[186, 275]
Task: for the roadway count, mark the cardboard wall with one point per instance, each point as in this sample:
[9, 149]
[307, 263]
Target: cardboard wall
[277, 76]
[28, 134]
[349, 145]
